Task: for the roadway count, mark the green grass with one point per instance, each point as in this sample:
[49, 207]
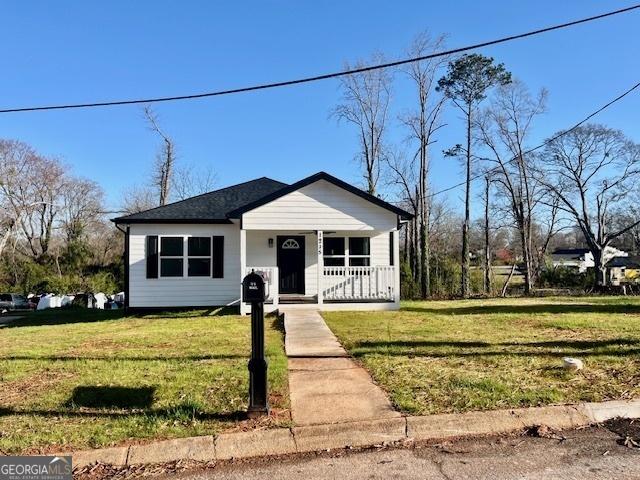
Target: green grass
[456, 356]
[80, 378]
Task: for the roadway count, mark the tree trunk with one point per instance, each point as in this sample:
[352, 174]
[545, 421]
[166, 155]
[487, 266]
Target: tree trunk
[426, 258]
[411, 227]
[507, 281]
[466, 264]
[600, 269]
[487, 246]
[526, 257]
[417, 275]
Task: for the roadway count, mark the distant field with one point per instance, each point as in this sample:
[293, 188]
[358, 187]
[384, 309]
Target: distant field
[456, 356]
[79, 378]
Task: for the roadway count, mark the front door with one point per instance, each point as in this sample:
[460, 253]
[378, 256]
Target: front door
[291, 264]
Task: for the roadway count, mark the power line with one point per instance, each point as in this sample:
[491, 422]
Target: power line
[326, 76]
[543, 144]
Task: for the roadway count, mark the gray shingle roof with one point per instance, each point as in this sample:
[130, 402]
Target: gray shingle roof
[628, 262]
[569, 253]
[231, 202]
[211, 207]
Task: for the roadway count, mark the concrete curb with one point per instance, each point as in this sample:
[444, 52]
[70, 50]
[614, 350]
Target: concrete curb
[315, 438]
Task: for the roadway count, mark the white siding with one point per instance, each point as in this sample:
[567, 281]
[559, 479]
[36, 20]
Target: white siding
[379, 247]
[260, 255]
[320, 206]
[183, 291]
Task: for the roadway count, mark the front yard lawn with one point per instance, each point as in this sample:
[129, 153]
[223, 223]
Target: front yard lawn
[456, 356]
[81, 378]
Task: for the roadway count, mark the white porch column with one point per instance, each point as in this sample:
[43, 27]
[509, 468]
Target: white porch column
[244, 309]
[320, 265]
[396, 266]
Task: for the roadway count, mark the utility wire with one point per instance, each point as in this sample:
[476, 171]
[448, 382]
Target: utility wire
[543, 144]
[326, 76]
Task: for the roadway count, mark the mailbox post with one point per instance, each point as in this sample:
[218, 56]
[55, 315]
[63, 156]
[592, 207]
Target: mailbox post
[253, 292]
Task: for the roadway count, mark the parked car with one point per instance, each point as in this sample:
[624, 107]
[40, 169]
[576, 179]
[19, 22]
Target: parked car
[13, 301]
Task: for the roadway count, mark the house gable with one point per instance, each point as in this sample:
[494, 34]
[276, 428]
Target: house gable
[322, 205]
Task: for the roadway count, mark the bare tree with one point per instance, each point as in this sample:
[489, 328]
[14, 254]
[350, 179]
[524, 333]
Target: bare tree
[189, 181]
[423, 122]
[403, 178]
[365, 103]
[30, 191]
[466, 83]
[504, 129]
[82, 206]
[165, 159]
[592, 170]
[138, 199]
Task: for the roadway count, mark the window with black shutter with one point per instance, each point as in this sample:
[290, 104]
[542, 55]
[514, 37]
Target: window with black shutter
[152, 256]
[199, 252]
[391, 249]
[217, 257]
[171, 256]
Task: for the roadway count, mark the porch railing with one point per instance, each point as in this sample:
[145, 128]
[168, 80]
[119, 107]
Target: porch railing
[270, 275]
[359, 283]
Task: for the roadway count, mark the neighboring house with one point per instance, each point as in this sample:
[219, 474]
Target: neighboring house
[624, 270]
[319, 241]
[581, 259]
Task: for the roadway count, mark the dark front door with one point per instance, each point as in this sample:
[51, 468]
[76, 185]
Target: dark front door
[291, 264]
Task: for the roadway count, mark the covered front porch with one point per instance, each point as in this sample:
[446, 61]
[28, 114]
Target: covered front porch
[328, 270]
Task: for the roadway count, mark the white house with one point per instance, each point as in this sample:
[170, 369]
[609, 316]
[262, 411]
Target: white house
[319, 241]
[581, 259]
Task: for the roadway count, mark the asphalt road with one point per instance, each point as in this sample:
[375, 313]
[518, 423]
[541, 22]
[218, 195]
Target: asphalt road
[594, 453]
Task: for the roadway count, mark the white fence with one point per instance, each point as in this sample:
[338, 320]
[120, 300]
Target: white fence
[358, 283]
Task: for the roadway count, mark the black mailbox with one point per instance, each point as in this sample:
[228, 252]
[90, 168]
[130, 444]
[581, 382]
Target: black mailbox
[253, 288]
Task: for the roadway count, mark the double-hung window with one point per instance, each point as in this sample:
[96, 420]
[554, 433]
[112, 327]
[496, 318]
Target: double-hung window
[359, 252]
[171, 256]
[176, 262]
[199, 256]
[333, 251]
[351, 251]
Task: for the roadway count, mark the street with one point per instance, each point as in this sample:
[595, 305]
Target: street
[594, 453]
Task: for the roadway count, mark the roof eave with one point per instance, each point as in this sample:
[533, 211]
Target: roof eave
[214, 221]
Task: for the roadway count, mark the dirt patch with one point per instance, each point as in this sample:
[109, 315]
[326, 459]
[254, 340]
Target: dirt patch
[102, 345]
[627, 429]
[15, 392]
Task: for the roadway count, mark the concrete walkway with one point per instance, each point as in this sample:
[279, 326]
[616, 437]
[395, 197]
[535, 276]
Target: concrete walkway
[325, 385]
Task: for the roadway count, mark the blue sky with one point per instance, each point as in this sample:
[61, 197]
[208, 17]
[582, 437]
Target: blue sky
[79, 51]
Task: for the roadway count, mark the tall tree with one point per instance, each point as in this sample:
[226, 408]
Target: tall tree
[30, 191]
[423, 122]
[487, 286]
[365, 104]
[592, 170]
[165, 159]
[466, 83]
[504, 129]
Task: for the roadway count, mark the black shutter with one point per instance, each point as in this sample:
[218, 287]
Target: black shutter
[152, 256]
[217, 257]
[391, 248]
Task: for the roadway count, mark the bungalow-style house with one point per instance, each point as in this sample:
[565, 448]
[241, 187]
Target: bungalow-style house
[318, 242]
[624, 270]
[581, 259]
